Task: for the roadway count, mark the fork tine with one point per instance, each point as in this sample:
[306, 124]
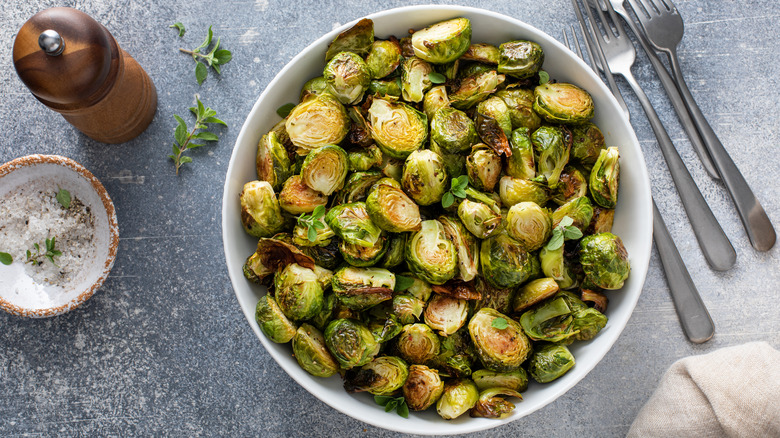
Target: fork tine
[639, 8]
[621, 32]
[576, 42]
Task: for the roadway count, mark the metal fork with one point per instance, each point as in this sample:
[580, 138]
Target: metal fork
[663, 26]
[620, 56]
[694, 317]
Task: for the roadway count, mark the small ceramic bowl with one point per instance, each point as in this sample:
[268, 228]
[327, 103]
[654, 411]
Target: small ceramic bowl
[20, 293]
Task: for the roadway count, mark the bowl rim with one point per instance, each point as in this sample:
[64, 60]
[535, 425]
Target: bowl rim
[638, 272]
[113, 228]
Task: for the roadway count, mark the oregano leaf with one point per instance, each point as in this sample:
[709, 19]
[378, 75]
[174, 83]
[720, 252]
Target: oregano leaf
[499, 323]
[201, 71]
[284, 110]
[437, 78]
[6, 258]
[180, 27]
[63, 197]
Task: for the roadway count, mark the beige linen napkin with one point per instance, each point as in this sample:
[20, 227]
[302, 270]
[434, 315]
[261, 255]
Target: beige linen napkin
[732, 392]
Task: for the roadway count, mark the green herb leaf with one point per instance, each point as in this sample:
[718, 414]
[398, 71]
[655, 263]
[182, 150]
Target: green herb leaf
[223, 56]
[63, 197]
[556, 241]
[212, 119]
[572, 233]
[6, 258]
[544, 77]
[403, 409]
[402, 283]
[312, 234]
[201, 71]
[499, 323]
[179, 26]
[382, 400]
[285, 110]
[184, 136]
[565, 222]
[390, 405]
[207, 136]
[437, 78]
[447, 200]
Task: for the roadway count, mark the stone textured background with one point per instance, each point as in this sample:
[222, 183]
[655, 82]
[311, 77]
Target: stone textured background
[163, 349]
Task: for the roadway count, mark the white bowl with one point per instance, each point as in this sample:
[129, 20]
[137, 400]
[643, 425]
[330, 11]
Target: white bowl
[633, 218]
[20, 294]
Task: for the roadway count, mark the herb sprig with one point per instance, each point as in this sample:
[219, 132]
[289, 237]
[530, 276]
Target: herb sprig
[213, 59]
[564, 231]
[390, 403]
[312, 222]
[184, 140]
[36, 259]
[457, 189]
[6, 258]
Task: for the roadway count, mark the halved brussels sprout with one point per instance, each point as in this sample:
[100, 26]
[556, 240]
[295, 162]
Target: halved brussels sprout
[311, 353]
[495, 108]
[459, 396]
[318, 120]
[356, 39]
[446, 314]
[490, 131]
[443, 42]
[382, 376]
[601, 222]
[551, 151]
[326, 313]
[499, 349]
[571, 184]
[274, 254]
[521, 163]
[454, 164]
[296, 197]
[356, 187]
[260, 212]
[386, 88]
[362, 256]
[272, 321]
[520, 102]
[495, 298]
[466, 245]
[453, 130]
[579, 209]
[587, 144]
[298, 292]
[534, 292]
[434, 100]
[420, 289]
[483, 167]
[394, 255]
[424, 177]
[559, 102]
[604, 178]
[249, 274]
[272, 162]
[490, 405]
[364, 159]
[383, 58]
[423, 387]
[324, 277]
[322, 236]
[430, 255]
[457, 355]
[555, 266]
[521, 59]
[385, 327]
[352, 224]
[407, 308]
[361, 288]
[397, 128]
[325, 169]
[505, 264]
[392, 210]
[529, 224]
[417, 343]
[481, 52]
[348, 77]
[474, 68]
[350, 342]
[604, 260]
[588, 322]
[313, 86]
[551, 321]
[475, 88]
[550, 362]
[478, 218]
[514, 380]
[515, 190]
[414, 79]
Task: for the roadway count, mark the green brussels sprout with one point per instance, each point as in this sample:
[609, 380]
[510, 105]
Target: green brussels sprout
[571, 184]
[490, 405]
[397, 128]
[475, 88]
[453, 130]
[391, 210]
[296, 197]
[466, 245]
[551, 151]
[442, 42]
[454, 164]
[604, 178]
[424, 177]
[588, 322]
[521, 163]
[491, 133]
[357, 186]
[430, 255]
[260, 212]
[273, 254]
[478, 218]
[520, 102]
[495, 298]
[316, 85]
[604, 260]
[272, 321]
[481, 52]
[414, 79]
[423, 387]
[383, 58]
[407, 308]
[601, 222]
[362, 288]
[318, 120]
[515, 190]
[417, 343]
[434, 100]
[449, 70]
[555, 266]
[382, 376]
[483, 167]
[550, 362]
[456, 366]
[322, 237]
[514, 380]
[311, 353]
[505, 264]
[473, 69]
[551, 321]
[363, 256]
[385, 328]
[298, 292]
[324, 277]
[529, 224]
[419, 289]
[457, 353]
[559, 102]
[364, 159]
[521, 59]
[587, 144]
[386, 88]
[534, 292]
[446, 314]
[459, 396]
[352, 224]
[356, 39]
[272, 162]
[325, 169]
[579, 209]
[392, 168]
[350, 342]
[348, 77]
[247, 270]
[495, 108]
[499, 349]
[322, 319]
[394, 255]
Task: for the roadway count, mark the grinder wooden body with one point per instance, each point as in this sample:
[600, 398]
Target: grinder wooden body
[93, 83]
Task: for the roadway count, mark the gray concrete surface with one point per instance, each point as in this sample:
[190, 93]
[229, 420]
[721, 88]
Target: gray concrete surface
[163, 349]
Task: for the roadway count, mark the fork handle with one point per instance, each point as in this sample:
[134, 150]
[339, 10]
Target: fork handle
[712, 240]
[693, 314]
[759, 228]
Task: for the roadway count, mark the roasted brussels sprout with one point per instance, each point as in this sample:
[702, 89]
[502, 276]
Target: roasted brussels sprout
[551, 151]
[484, 168]
[551, 321]
[385, 328]
[550, 362]
[322, 319]
[555, 266]
[514, 380]
[534, 292]
[383, 58]
[521, 163]
[587, 144]
[604, 260]
[515, 190]
[298, 292]
[319, 120]
[356, 39]
[446, 314]
[453, 130]
[475, 88]
[420, 289]
[391, 210]
[601, 222]
[390, 87]
[443, 42]
[325, 169]
[430, 254]
[505, 264]
[520, 102]
[311, 353]
[481, 52]
[459, 396]
[364, 159]
[434, 100]
[363, 256]
[313, 86]
[571, 184]
[397, 128]
[423, 387]
[499, 349]
[296, 197]
[382, 376]
[417, 343]
[407, 308]
[490, 405]
[348, 77]
[272, 163]
[322, 235]
[499, 299]
[272, 321]
[414, 79]
[350, 342]
[478, 218]
[588, 322]
[521, 59]
[604, 178]
[579, 209]
[529, 224]
[357, 187]
[260, 212]
[394, 255]
[495, 108]
[559, 102]
[361, 288]
[466, 245]
[324, 277]
[454, 164]
[474, 68]
[424, 177]
[352, 224]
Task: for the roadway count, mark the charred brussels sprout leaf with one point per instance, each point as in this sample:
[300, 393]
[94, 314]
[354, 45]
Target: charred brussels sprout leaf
[397, 128]
[563, 103]
[505, 264]
[459, 396]
[550, 362]
[453, 130]
[311, 353]
[529, 224]
[521, 59]
[260, 212]
[350, 342]
[383, 58]
[490, 405]
[604, 178]
[424, 177]
[417, 343]
[443, 42]
[382, 376]
[552, 145]
[325, 169]
[298, 292]
[499, 349]
[604, 260]
[317, 121]
[423, 387]
[430, 254]
[272, 163]
[272, 321]
[296, 197]
[362, 288]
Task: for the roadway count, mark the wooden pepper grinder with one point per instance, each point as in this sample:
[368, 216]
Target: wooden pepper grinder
[72, 64]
